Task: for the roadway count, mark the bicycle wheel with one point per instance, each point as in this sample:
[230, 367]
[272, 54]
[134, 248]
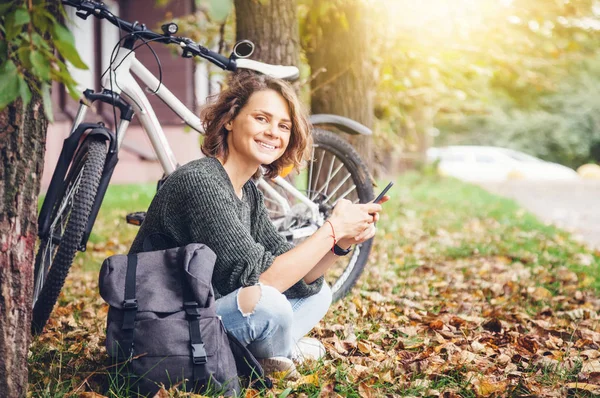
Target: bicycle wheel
[334, 172]
[67, 225]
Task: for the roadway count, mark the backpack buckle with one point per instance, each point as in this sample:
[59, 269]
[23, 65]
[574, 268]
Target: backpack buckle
[192, 309]
[198, 354]
[130, 304]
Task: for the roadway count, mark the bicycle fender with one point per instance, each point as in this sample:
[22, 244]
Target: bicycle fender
[342, 123]
[108, 136]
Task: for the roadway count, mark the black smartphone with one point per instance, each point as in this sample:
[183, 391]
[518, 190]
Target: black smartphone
[382, 194]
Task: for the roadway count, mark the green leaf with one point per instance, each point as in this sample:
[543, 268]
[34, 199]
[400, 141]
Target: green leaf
[61, 33]
[13, 24]
[219, 9]
[23, 55]
[21, 16]
[70, 54]
[65, 44]
[9, 84]
[24, 90]
[39, 41]
[47, 100]
[40, 21]
[41, 65]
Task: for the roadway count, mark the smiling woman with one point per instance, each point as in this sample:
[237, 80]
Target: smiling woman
[269, 292]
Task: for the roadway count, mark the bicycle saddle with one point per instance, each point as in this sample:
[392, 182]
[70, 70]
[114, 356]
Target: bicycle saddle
[277, 71]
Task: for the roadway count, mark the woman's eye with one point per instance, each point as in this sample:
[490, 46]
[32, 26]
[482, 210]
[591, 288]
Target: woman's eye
[261, 118]
[285, 127]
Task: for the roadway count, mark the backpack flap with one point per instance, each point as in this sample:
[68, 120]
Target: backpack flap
[159, 277]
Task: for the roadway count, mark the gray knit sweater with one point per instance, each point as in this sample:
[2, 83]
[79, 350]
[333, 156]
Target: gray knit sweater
[197, 203]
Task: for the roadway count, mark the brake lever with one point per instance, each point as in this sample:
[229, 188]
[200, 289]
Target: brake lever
[83, 14]
[188, 50]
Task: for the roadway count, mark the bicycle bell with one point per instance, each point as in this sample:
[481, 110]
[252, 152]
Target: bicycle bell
[243, 49]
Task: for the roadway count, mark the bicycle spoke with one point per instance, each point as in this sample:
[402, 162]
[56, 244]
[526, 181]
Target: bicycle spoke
[310, 170]
[318, 174]
[352, 188]
[329, 178]
[67, 199]
[337, 187]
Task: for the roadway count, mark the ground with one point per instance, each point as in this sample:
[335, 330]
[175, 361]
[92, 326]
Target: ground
[465, 294]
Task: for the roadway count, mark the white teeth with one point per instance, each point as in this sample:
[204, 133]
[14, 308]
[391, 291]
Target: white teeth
[266, 145]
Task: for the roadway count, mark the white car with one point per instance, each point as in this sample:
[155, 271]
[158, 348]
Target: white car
[487, 163]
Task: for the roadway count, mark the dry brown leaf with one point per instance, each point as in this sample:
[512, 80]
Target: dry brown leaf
[90, 395]
[493, 325]
[365, 391]
[328, 391]
[309, 379]
[364, 347]
[457, 322]
[485, 387]
[591, 366]
[528, 343]
[162, 393]
[540, 293]
[436, 325]
[250, 393]
[593, 388]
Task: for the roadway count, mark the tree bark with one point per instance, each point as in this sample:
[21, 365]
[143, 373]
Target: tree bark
[22, 145]
[272, 26]
[346, 87]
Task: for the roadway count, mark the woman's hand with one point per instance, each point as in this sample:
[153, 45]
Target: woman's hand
[350, 220]
[367, 233]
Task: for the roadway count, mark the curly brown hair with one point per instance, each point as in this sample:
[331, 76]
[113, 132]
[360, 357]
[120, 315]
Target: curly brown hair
[227, 104]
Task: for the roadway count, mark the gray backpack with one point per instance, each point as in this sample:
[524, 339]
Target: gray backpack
[162, 324]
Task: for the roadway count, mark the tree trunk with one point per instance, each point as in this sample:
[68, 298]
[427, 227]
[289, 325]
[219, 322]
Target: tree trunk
[22, 145]
[272, 26]
[346, 87]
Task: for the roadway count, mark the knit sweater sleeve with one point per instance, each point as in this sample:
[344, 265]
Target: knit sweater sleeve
[266, 234]
[212, 218]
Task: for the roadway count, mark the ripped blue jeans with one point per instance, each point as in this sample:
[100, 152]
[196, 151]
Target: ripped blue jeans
[276, 323]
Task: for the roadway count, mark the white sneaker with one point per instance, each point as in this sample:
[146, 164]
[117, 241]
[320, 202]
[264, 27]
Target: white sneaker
[282, 365]
[308, 348]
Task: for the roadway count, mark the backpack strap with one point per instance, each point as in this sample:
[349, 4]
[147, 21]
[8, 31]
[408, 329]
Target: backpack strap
[198, 351]
[130, 307]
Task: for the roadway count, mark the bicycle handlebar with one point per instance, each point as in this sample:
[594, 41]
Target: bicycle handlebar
[85, 8]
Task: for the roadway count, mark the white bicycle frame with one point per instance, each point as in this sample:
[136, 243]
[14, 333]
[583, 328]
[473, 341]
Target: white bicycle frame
[120, 80]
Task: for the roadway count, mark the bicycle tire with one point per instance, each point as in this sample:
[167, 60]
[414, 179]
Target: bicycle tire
[72, 209]
[352, 266]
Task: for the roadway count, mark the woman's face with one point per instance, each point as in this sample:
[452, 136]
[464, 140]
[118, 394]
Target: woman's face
[261, 131]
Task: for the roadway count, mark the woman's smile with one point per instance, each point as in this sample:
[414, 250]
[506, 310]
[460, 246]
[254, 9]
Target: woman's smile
[267, 146]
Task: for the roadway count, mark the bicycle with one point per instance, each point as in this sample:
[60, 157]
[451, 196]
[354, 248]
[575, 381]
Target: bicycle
[89, 155]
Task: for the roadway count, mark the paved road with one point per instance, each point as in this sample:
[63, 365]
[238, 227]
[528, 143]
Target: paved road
[572, 205]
